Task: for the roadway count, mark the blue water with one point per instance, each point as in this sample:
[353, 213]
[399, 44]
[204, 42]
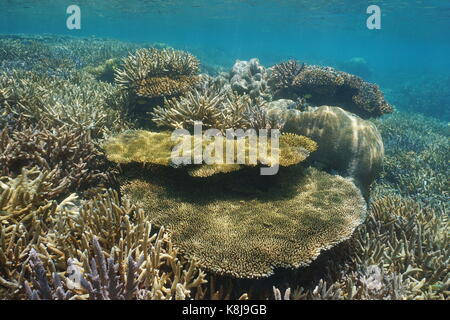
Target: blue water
[413, 43]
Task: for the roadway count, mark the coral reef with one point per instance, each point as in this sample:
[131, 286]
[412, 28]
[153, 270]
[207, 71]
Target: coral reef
[400, 252]
[417, 158]
[327, 86]
[153, 73]
[58, 55]
[245, 226]
[76, 162]
[215, 109]
[282, 77]
[425, 93]
[60, 234]
[65, 235]
[347, 143]
[78, 101]
[105, 71]
[246, 77]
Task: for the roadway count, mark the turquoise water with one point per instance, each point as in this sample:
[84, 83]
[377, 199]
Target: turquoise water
[412, 45]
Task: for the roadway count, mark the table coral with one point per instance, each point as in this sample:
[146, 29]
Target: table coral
[157, 148]
[245, 226]
[155, 73]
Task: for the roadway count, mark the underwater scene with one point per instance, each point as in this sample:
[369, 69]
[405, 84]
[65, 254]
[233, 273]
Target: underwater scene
[224, 150]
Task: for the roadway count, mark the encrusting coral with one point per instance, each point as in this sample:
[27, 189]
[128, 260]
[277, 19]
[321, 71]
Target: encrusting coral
[158, 148]
[153, 73]
[247, 225]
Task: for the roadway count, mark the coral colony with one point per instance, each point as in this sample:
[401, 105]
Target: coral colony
[141, 176]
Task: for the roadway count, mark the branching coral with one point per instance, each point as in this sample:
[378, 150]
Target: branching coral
[327, 86]
[417, 158]
[155, 73]
[61, 233]
[400, 252]
[76, 162]
[79, 101]
[215, 109]
[245, 225]
[283, 74]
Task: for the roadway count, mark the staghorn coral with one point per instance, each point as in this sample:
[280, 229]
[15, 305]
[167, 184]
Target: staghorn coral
[215, 109]
[79, 101]
[246, 225]
[327, 86]
[153, 73]
[417, 157]
[25, 217]
[347, 143]
[401, 252]
[76, 162]
[158, 148]
[56, 55]
[60, 233]
[282, 76]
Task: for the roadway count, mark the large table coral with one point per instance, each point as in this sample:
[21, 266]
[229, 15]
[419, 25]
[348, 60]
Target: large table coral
[248, 225]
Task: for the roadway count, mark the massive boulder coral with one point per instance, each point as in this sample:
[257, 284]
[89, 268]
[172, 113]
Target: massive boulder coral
[327, 86]
[347, 143]
[155, 73]
[246, 225]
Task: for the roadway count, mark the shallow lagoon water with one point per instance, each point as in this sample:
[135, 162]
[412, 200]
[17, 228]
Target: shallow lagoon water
[407, 58]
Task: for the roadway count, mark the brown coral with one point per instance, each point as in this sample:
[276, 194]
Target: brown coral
[158, 148]
[215, 109]
[76, 161]
[327, 86]
[158, 73]
[245, 225]
[61, 233]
